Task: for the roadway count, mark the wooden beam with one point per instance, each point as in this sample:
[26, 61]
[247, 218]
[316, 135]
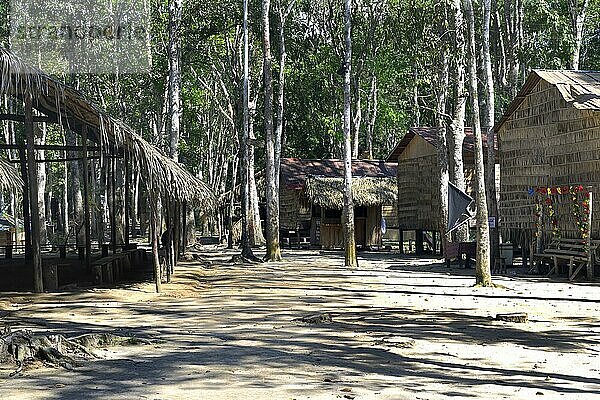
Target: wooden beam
[56, 147]
[38, 284]
[21, 118]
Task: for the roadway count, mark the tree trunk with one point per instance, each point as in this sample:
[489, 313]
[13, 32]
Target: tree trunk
[174, 83]
[348, 212]
[458, 121]
[272, 196]
[357, 119]
[372, 115]
[76, 190]
[244, 145]
[40, 138]
[482, 268]
[33, 191]
[442, 93]
[578, 14]
[488, 129]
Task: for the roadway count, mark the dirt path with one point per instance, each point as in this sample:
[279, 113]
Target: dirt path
[402, 329]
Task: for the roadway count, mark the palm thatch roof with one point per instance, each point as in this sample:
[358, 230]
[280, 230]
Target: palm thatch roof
[70, 108]
[10, 180]
[328, 192]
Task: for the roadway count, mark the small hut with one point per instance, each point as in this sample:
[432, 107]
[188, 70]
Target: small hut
[418, 175]
[549, 141]
[311, 200]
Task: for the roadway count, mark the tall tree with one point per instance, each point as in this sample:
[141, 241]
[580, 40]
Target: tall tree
[488, 104]
[349, 239]
[578, 10]
[272, 195]
[483, 275]
[460, 101]
[244, 143]
[174, 81]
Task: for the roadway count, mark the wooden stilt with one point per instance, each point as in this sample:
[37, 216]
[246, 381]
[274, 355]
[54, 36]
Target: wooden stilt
[86, 202]
[38, 285]
[590, 262]
[155, 236]
[401, 240]
[184, 229]
[169, 243]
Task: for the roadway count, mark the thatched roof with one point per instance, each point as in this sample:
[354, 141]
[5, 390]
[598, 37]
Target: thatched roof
[580, 89]
[295, 171]
[328, 192]
[10, 179]
[70, 108]
[430, 135]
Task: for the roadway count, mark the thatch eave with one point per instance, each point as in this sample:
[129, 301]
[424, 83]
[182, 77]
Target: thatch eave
[328, 192]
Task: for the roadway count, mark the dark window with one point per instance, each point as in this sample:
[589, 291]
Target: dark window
[333, 213]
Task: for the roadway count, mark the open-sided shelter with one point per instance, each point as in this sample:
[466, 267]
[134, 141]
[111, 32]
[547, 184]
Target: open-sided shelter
[45, 99]
[311, 199]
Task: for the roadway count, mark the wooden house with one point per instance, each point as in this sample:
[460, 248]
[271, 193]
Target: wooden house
[311, 200]
[418, 175]
[549, 146]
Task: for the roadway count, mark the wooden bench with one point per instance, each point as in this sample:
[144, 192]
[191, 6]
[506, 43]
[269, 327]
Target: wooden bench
[571, 252]
[112, 268]
[457, 250]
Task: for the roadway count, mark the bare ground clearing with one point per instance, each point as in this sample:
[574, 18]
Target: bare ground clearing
[402, 328]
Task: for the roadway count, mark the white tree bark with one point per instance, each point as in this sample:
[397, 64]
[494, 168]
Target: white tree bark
[458, 121]
[272, 195]
[578, 10]
[348, 212]
[482, 268]
[174, 83]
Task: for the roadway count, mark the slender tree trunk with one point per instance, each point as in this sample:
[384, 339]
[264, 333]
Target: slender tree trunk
[488, 129]
[272, 195]
[372, 115]
[244, 144]
[38, 285]
[444, 177]
[482, 269]
[458, 121]
[578, 10]
[40, 138]
[357, 119]
[348, 212]
[76, 190]
[174, 53]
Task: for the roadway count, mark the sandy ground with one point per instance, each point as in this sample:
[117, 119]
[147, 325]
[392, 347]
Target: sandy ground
[402, 328]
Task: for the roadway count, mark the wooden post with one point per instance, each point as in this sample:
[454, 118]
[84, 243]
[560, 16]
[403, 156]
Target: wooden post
[169, 242]
[590, 263]
[25, 203]
[155, 259]
[401, 240]
[113, 215]
[176, 230]
[418, 242]
[86, 201]
[33, 199]
[127, 196]
[184, 228]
